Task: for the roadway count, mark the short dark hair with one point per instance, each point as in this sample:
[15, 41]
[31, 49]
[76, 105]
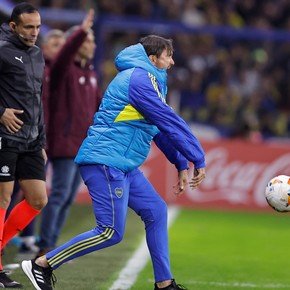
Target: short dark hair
[154, 45]
[20, 9]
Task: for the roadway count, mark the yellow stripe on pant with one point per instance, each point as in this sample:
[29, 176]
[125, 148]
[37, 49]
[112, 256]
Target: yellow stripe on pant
[80, 246]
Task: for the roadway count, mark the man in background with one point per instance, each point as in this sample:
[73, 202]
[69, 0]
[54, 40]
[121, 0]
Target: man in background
[51, 45]
[73, 98]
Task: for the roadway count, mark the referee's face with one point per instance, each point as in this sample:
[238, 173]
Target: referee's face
[27, 28]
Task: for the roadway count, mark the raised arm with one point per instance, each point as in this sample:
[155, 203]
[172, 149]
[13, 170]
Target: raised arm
[67, 53]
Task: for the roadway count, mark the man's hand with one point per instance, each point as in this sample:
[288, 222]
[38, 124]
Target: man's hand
[88, 20]
[182, 182]
[198, 177]
[10, 120]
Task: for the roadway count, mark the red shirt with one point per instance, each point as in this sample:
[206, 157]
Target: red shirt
[74, 98]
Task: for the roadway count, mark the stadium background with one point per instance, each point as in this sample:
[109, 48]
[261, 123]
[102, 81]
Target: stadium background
[230, 83]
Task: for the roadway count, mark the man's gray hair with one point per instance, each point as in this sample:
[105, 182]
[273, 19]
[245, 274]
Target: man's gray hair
[74, 28]
[52, 33]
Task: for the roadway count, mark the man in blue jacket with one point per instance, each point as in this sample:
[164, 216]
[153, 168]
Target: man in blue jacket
[133, 112]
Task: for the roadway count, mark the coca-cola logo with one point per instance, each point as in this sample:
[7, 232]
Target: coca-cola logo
[235, 180]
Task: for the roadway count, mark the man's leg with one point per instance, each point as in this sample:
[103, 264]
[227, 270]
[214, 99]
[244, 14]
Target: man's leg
[14, 197]
[146, 202]
[25, 211]
[30, 172]
[27, 246]
[109, 210]
[8, 160]
[63, 174]
[68, 202]
[108, 189]
[7, 164]
[6, 189]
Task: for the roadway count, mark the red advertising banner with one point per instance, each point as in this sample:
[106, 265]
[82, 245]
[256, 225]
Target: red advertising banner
[236, 175]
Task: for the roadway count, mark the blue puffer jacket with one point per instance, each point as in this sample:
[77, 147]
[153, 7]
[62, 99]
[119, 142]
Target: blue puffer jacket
[133, 112]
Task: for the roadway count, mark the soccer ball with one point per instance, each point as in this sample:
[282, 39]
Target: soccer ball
[277, 193]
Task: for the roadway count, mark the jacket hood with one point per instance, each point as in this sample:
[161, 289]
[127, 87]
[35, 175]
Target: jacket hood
[7, 34]
[135, 56]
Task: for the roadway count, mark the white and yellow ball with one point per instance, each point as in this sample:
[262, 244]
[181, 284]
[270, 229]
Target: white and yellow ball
[277, 193]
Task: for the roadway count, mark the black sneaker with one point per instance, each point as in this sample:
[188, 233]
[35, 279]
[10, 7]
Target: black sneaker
[41, 278]
[172, 286]
[6, 282]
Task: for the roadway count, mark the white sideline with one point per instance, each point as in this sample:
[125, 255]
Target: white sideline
[232, 285]
[137, 262]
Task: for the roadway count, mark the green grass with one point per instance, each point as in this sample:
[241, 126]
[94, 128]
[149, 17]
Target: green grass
[216, 250]
[209, 250]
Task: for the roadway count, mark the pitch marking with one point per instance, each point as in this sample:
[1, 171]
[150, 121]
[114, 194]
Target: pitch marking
[239, 284]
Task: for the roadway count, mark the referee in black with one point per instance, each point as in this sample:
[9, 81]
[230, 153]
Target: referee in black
[22, 132]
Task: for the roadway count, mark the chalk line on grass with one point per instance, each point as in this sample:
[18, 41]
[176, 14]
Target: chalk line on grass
[236, 284]
[232, 285]
[138, 261]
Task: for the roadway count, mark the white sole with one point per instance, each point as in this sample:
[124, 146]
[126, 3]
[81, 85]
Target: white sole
[27, 269]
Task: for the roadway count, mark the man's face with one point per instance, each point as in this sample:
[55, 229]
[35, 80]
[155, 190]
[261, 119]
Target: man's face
[27, 28]
[87, 50]
[165, 60]
[52, 46]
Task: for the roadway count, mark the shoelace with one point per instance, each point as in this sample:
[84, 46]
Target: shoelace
[50, 277]
[53, 279]
[181, 287]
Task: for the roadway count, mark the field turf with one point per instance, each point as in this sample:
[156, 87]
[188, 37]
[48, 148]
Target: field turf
[228, 250]
[209, 250]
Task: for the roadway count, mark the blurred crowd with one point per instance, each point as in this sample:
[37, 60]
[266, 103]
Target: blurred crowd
[240, 87]
[237, 13]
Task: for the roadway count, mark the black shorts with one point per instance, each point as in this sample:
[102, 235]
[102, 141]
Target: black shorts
[21, 165]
